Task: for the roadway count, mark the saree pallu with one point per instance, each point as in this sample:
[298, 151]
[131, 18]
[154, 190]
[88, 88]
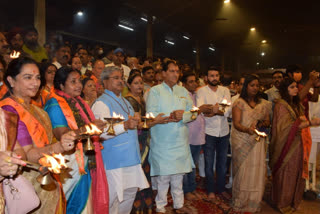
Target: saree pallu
[51, 196]
[289, 151]
[76, 182]
[81, 197]
[248, 159]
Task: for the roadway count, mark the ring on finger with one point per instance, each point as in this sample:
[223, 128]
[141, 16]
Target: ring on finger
[11, 173]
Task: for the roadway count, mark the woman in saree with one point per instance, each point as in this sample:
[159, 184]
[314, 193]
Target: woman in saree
[248, 154]
[47, 73]
[34, 131]
[289, 148]
[67, 110]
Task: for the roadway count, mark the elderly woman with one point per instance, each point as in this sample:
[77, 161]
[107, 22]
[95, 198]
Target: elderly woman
[67, 110]
[47, 73]
[34, 131]
[249, 112]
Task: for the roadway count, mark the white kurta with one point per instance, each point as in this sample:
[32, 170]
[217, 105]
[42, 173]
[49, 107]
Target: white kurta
[122, 178]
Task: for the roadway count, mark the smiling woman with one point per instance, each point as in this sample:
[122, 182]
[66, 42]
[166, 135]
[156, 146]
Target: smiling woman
[34, 131]
[67, 110]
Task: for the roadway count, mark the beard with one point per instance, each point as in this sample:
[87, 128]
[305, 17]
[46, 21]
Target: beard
[277, 84]
[213, 83]
[32, 43]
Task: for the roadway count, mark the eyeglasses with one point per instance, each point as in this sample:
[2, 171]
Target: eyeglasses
[117, 78]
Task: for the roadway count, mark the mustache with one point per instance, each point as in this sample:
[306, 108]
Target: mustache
[214, 82]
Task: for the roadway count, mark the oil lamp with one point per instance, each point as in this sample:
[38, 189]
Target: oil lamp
[224, 103]
[148, 118]
[116, 118]
[194, 110]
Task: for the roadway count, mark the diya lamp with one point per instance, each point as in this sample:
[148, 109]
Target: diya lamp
[224, 103]
[91, 130]
[116, 118]
[194, 110]
[47, 165]
[14, 54]
[260, 134]
[148, 118]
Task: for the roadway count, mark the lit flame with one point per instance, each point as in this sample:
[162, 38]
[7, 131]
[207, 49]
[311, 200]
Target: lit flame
[15, 54]
[92, 129]
[114, 115]
[225, 102]
[117, 116]
[261, 134]
[62, 160]
[52, 163]
[194, 108]
[149, 115]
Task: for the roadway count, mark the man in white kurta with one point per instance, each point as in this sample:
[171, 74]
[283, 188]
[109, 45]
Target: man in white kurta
[170, 156]
[121, 155]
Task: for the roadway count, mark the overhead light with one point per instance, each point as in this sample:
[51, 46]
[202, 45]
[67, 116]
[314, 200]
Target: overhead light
[194, 51]
[185, 37]
[226, 1]
[125, 27]
[258, 63]
[79, 13]
[253, 29]
[263, 53]
[264, 41]
[212, 49]
[144, 19]
[169, 42]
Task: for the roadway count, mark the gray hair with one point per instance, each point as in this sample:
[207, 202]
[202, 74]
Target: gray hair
[131, 60]
[107, 71]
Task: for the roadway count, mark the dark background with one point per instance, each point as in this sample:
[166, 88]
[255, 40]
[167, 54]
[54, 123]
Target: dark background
[291, 28]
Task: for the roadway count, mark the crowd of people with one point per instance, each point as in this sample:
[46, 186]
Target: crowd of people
[171, 114]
